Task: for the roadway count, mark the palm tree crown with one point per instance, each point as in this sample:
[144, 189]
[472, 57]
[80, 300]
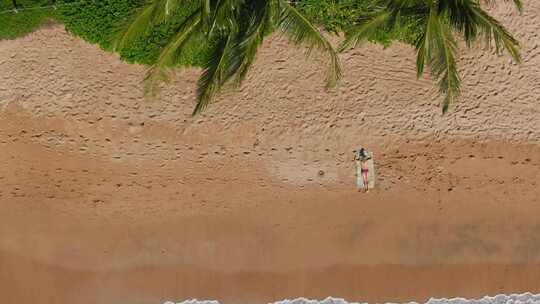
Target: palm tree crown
[438, 21]
[236, 29]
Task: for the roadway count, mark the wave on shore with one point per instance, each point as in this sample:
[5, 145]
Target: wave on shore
[524, 298]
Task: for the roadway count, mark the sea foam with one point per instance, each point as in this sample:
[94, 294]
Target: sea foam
[524, 298]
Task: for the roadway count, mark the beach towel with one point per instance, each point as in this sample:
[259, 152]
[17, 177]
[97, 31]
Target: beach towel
[371, 173]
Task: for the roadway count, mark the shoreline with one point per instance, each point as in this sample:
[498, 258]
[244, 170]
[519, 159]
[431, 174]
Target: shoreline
[154, 284]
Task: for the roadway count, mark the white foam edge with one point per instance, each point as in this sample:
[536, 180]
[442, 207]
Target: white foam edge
[514, 298]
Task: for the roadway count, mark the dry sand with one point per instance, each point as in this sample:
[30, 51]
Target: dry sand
[108, 198]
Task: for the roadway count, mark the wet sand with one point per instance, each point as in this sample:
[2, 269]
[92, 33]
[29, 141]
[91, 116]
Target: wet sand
[106, 197]
[157, 284]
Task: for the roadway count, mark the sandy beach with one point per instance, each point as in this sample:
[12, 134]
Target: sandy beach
[107, 197]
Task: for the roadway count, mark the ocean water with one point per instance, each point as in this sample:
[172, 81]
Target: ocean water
[524, 298]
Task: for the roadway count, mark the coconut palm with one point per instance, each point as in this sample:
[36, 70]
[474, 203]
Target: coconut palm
[438, 22]
[236, 29]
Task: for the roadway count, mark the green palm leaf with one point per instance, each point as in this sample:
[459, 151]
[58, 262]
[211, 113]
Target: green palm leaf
[225, 16]
[163, 9]
[215, 72]
[444, 67]
[301, 31]
[140, 25]
[152, 12]
[259, 25]
[442, 47]
[170, 53]
[496, 34]
[365, 30]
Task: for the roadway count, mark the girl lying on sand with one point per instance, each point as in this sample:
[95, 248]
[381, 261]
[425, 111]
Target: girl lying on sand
[362, 158]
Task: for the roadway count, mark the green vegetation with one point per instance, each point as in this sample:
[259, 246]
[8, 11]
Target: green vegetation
[338, 16]
[96, 21]
[99, 22]
[335, 15]
[15, 24]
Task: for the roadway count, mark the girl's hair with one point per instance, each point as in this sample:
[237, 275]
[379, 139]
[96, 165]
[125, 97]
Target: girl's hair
[364, 153]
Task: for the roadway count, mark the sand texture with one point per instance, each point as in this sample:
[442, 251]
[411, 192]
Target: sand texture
[106, 197]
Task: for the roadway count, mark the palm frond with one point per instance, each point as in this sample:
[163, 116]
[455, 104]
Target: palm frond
[442, 48]
[170, 53]
[422, 54]
[496, 34]
[205, 14]
[259, 25]
[152, 12]
[365, 29]
[163, 9]
[171, 6]
[225, 16]
[460, 16]
[450, 83]
[424, 43]
[232, 57]
[140, 25]
[301, 31]
[215, 72]
[467, 17]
